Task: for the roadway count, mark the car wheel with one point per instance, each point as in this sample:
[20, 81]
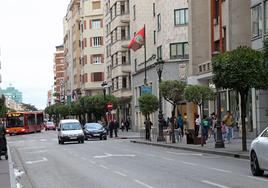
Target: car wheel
[254, 165]
[59, 141]
[82, 141]
[86, 138]
[105, 138]
[100, 137]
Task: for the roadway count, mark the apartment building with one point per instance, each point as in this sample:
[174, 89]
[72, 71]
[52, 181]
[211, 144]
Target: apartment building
[0, 68]
[72, 52]
[216, 26]
[92, 47]
[166, 30]
[259, 31]
[117, 55]
[59, 74]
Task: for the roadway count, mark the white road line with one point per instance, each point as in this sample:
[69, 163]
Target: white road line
[187, 163]
[37, 161]
[105, 167]
[141, 183]
[43, 140]
[214, 184]
[166, 158]
[221, 170]
[183, 154]
[255, 178]
[120, 173]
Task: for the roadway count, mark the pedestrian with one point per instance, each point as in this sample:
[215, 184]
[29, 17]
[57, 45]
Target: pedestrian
[180, 122]
[196, 125]
[111, 128]
[127, 124]
[229, 122]
[204, 129]
[148, 126]
[3, 142]
[116, 127]
[213, 120]
[122, 125]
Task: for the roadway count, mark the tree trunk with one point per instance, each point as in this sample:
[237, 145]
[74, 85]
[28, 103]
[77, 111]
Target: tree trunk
[173, 123]
[243, 116]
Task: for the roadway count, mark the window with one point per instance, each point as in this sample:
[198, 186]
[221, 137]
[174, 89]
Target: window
[124, 82]
[256, 22]
[158, 22]
[159, 52]
[134, 12]
[123, 33]
[180, 16]
[266, 16]
[122, 7]
[124, 58]
[179, 51]
[154, 37]
[153, 9]
[97, 59]
[135, 64]
[265, 133]
[97, 76]
[96, 5]
[96, 24]
[97, 41]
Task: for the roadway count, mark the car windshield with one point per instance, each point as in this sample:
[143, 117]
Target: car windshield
[93, 126]
[71, 126]
[50, 123]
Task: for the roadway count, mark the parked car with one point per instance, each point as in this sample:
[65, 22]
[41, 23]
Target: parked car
[49, 125]
[259, 154]
[95, 130]
[70, 130]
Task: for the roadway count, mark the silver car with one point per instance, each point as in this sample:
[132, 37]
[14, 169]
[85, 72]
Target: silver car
[259, 154]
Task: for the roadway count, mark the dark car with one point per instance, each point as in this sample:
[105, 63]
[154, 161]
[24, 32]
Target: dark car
[95, 130]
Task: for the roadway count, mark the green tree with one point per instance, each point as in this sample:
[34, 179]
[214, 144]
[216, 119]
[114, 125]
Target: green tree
[64, 110]
[3, 108]
[29, 107]
[241, 69]
[148, 104]
[173, 92]
[198, 94]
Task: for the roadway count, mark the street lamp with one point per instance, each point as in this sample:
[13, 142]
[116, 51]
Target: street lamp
[159, 69]
[219, 142]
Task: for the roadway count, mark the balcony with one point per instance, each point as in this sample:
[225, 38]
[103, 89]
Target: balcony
[121, 69]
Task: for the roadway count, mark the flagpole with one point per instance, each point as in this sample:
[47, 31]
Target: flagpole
[145, 61]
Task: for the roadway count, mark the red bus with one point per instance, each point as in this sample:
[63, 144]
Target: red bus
[24, 122]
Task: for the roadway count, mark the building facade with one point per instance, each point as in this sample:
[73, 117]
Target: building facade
[259, 31]
[166, 27]
[13, 93]
[59, 74]
[117, 55]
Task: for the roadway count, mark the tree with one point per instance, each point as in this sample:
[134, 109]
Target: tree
[173, 92]
[28, 107]
[63, 110]
[148, 104]
[3, 108]
[241, 69]
[198, 94]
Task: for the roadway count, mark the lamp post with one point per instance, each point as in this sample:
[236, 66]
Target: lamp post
[159, 69]
[219, 142]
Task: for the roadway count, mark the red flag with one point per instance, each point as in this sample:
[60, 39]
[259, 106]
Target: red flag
[138, 40]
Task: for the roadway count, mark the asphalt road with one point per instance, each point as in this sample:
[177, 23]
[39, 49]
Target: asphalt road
[121, 164]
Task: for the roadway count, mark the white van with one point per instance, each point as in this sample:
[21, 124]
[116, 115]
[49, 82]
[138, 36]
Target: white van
[70, 130]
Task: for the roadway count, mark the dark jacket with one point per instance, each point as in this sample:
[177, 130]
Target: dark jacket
[2, 131]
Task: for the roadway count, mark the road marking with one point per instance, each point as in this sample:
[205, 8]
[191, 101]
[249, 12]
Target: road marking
[166, 158]
[214, 184]
[37, 161]
[183, 154]
[260, 179]
[187, 163]
[43, 140]
[39, 151]
[144, 184]
[113, 155]
[33, 147]
[221, 170]
[105, 167]
[119, 173]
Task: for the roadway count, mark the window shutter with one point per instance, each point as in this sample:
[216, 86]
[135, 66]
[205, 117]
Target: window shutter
[92, 77]
[85, 24]
[85, 59]
[90, 24]
[90, 41]
[101, 41]
[101, 23]
[85, 42]
[102, 58]
[91, 59]
[102, 76]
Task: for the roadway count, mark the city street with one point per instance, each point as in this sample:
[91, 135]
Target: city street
[118, 163]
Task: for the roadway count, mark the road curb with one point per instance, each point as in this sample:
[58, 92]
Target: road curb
[210, 151]
[12, 178]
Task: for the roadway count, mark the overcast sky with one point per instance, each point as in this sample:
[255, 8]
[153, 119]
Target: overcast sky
[29, 32]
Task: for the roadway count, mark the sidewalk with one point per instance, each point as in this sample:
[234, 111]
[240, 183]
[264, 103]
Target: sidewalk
[4, 174]
[127, 135]
[234, 149]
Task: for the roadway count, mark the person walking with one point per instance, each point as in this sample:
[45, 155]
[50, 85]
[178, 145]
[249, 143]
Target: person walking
[111, 128]
[180, 124]
[148, 126]
[197, 125]
[204, 129]
[122, 125]
[228, 121]
[3, 142]
[116, 126]
[127, 125]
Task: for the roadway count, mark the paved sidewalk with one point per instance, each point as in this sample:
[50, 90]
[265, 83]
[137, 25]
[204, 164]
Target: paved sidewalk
[127, 135]
[234, 149]
[4, 174]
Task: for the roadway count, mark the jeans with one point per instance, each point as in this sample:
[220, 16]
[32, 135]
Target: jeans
[205, 133]
[229, 133]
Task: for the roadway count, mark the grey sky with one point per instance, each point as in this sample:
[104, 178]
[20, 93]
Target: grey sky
[29, 32]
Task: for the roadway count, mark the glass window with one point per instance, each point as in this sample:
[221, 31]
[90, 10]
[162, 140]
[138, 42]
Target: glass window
[96, 59]
[97, 76]
[256, 21]
[124, 82]
[134, 12]
[179, 50]
[96, 5]
[159, 52]
[96, 24]
[266, 16]
[158, 22]
[181, 16]
[96, 41]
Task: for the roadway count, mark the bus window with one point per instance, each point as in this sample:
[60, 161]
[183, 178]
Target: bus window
[30, 119]
[14, 122]
[40, 119]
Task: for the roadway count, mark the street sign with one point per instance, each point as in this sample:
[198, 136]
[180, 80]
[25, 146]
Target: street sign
[109, 106]
[146, 89]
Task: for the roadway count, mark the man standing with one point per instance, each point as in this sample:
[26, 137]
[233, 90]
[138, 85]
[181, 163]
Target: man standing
[228, 121]
[116, 126]
[148, 125]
